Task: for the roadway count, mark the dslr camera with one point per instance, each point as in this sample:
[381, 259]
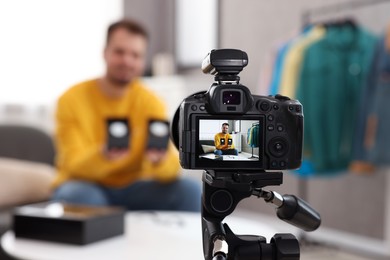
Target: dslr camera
[236, 137]
[264, 132]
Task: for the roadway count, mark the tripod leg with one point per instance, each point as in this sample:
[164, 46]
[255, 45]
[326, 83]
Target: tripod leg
[211, 229]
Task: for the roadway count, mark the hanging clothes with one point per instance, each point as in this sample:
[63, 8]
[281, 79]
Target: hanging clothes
[253, 136]
[278, 68]
[293, 60]
[372, 141]
[329, 85]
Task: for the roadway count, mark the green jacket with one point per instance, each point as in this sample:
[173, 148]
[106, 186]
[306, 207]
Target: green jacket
[329, 87]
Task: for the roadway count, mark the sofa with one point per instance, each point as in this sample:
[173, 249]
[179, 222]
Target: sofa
[26, 167]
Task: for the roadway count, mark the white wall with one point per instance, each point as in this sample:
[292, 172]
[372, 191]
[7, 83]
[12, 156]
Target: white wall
[196, 30]
[209, 128]
[46, 46]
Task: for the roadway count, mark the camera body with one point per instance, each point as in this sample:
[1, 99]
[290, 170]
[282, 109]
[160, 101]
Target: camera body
[264, 132]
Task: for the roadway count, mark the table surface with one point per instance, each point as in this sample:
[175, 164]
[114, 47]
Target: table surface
[242, 157]
[148, 235]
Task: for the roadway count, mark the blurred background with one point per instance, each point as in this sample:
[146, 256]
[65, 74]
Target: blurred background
[47, 46]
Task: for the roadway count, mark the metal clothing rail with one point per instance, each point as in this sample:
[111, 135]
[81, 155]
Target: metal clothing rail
[336, 8]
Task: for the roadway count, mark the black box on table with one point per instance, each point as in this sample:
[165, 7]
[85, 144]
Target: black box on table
[67, 223]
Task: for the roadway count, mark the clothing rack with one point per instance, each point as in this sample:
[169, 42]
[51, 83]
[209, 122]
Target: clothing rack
[252, 157]
[306, 17]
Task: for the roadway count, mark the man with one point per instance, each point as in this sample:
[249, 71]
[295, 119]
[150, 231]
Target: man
[133, 177]
[224, 142]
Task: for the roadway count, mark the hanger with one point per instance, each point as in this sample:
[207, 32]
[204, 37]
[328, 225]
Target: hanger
[344, 22]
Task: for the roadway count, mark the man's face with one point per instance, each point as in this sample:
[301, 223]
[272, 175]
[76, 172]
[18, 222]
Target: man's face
[125, 56]
[225, 129]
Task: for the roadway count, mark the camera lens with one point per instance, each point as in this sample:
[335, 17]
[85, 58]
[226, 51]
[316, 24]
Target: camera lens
[231, 97]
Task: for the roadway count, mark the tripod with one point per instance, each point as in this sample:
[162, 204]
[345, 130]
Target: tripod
[223, 190]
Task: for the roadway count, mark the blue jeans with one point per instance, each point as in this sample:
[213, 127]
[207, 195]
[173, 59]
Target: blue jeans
[226, 152]
[181, 195]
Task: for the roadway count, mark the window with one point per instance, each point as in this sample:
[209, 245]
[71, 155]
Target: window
[196, 30]
[46, 46]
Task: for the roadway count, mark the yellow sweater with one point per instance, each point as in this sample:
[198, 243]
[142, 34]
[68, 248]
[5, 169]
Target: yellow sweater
[217, 141]
[81, 133]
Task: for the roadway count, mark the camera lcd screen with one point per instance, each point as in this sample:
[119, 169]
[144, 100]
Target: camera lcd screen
[229, 140]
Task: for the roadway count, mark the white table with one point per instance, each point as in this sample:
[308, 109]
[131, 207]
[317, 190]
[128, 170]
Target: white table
[240, 157]
[148, 235]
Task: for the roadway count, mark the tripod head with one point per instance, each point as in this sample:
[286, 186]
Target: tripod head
[223, 190]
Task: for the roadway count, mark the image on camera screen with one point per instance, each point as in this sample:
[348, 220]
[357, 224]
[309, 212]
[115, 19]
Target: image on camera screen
[229, 140]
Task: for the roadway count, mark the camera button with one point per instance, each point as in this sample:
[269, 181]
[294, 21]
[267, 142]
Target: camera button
[291, 108]
[199, 96]
[298, 108]
[194, 107]
[271, 118]
[276, 107]
[264, 106]
[280, 128]
[282, 164]
[279, 147]
[270, 127]
[274, 164]
[281, 97]
[202, 107]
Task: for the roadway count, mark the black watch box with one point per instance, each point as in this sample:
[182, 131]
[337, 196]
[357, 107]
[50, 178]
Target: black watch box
[67, 223]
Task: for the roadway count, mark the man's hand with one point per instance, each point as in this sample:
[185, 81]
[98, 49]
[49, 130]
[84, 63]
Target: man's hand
[115, 153]
[155, 155]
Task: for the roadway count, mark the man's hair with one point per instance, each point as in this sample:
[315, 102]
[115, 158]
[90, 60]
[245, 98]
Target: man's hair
[225, 124]
[130, 26]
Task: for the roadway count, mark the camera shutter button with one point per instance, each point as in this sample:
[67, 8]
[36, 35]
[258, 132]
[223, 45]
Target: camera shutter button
[194, 107]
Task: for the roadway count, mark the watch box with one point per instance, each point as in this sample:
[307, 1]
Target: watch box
[67, 223]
